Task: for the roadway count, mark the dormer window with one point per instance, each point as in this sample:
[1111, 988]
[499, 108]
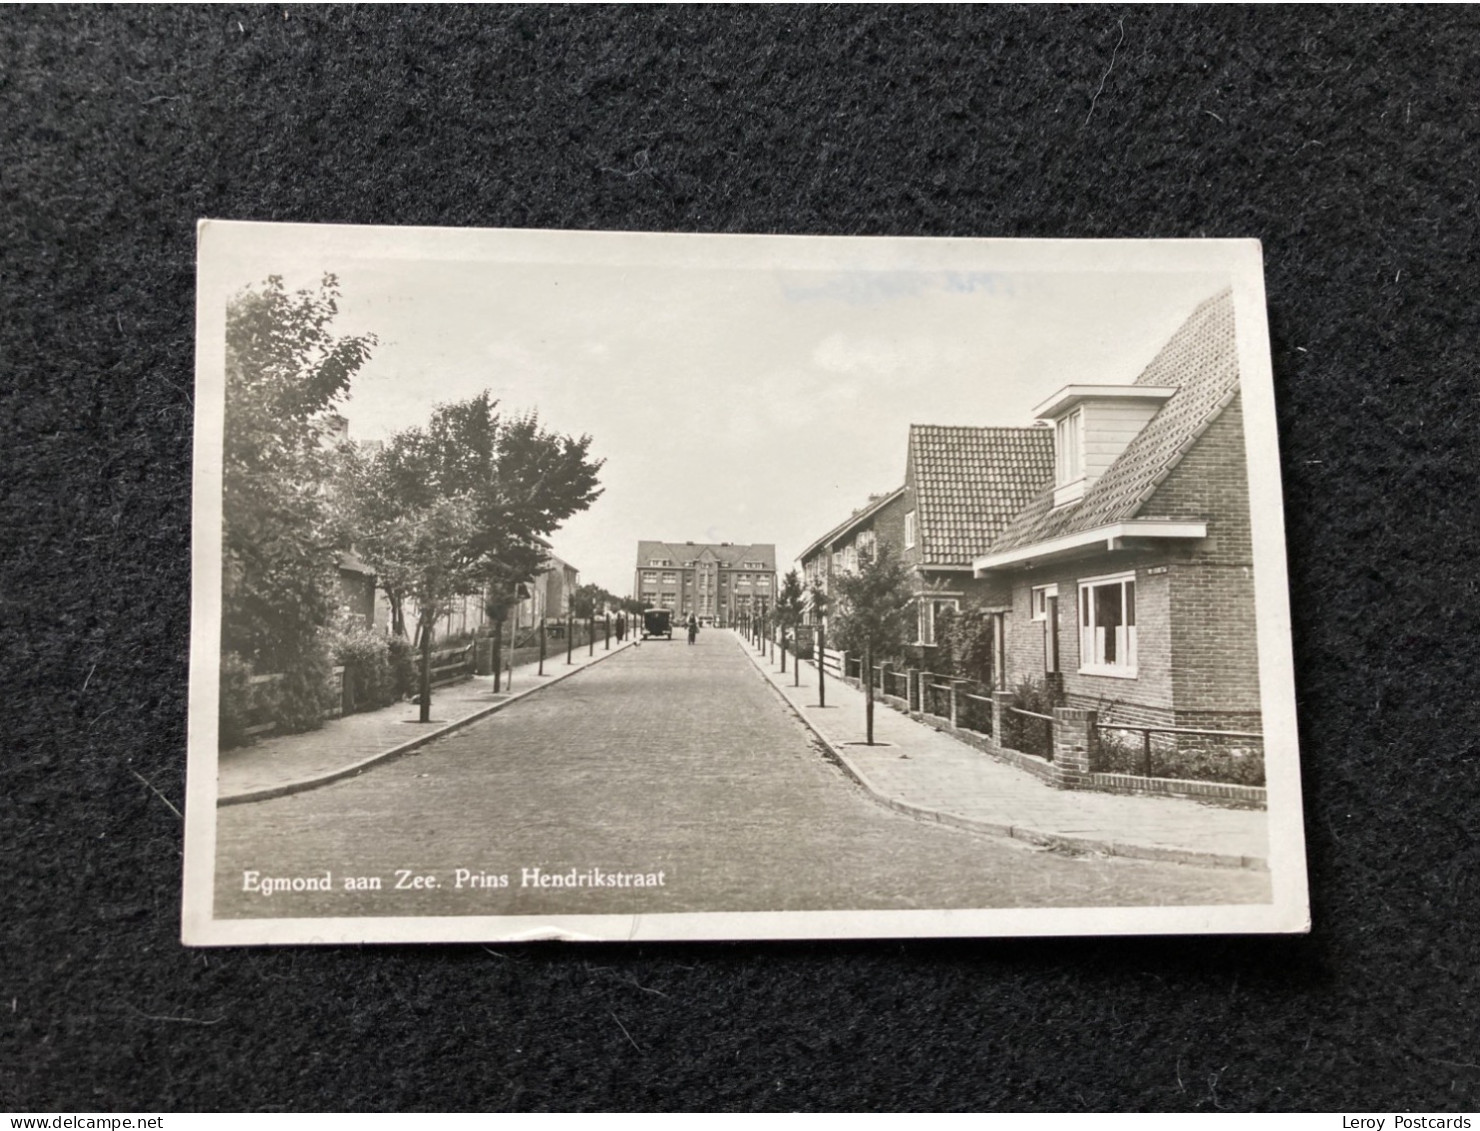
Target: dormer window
[1068, 448]
[1092, 425]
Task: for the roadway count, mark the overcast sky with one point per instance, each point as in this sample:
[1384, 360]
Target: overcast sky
[735, 399]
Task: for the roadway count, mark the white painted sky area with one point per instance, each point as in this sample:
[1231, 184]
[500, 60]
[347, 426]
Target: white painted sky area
[740, 404]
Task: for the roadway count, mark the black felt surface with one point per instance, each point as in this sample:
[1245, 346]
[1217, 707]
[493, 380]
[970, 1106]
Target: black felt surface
[1344, 139]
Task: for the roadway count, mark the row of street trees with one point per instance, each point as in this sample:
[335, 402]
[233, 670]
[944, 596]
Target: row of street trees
[459, 506]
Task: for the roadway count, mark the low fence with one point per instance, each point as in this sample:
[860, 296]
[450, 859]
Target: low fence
[1183, 753]
[1071, 748]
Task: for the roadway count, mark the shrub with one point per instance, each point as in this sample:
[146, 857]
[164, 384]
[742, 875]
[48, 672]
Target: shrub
[1031, 736]
[304, 692]
[237, 701]
[402, 661]
[366, 657]
[1184, 757]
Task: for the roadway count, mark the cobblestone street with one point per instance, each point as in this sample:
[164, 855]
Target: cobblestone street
[665, 758]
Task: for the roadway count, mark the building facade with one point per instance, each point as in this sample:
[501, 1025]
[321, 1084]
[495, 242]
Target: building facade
[962, 486]
[716, 582]
[1130, 574]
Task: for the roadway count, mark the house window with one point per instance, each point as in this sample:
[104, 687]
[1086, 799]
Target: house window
[661, 563]
[909, 530]
[928, 609]
[1107, 626]
[650, 577]
[649, 598]
[850, 559]
[1068, 448]
[669, 578]
[1041, 594]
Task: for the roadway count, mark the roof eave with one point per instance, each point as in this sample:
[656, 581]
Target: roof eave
[853, 520]
[1071, 395]
[1111, 535]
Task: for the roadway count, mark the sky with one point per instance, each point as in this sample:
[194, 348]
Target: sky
[735, 398]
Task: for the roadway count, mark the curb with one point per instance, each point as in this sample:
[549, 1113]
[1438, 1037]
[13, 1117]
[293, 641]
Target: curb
[1127, 850]
[266, 793]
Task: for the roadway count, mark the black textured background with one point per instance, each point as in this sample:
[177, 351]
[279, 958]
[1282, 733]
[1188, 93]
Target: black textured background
[1344, 139]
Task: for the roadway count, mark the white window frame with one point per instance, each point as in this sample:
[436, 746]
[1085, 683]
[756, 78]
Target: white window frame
[1091, 638]
[926, 608]
[670, 578]
[909, 530]
[1068, 447]
[1038, 600]
[650, 578]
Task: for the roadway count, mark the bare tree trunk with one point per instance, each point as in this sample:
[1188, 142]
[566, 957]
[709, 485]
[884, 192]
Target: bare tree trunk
[498, 654]
[425, 629]
[821, 671]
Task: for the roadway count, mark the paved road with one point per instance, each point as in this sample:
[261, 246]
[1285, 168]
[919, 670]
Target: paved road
[667, 758]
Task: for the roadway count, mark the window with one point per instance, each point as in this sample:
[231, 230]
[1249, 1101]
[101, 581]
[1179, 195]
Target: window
[928, 609]
[649, 598]
[650, 577]
[753, 565]
[661, 563]
[1107, 626]
[909, 530]
[669, 578]
[1068, 448]
[850, 559]
[1040, 596]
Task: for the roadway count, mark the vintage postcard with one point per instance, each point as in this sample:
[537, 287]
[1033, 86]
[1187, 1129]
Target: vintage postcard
[610, 586]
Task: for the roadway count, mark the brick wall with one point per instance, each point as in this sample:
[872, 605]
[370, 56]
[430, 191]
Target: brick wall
[1214, 630]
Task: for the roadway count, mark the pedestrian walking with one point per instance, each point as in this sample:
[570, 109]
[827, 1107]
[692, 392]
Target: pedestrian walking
[693, 628]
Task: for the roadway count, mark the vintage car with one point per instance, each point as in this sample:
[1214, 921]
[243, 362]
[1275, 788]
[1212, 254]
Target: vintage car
[657, 622]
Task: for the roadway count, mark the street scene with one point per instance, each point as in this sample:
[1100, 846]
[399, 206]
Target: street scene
[516, 616]
[662, 758]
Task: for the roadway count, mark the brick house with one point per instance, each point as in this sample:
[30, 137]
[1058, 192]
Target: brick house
[714, 581]
[880, 521]
[962, 486]
[1130, 573]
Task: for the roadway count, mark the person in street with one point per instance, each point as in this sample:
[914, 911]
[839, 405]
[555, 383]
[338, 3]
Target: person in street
[621, 627]
[693, 628]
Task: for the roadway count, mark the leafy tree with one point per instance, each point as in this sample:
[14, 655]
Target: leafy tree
[286, 370]
[463, 506]
[790, 607]
[586, 600]
[874, 613]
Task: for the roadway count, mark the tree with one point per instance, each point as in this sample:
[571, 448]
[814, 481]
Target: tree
[464, 506]
[286, 371]
[790, 606]
[873, 615]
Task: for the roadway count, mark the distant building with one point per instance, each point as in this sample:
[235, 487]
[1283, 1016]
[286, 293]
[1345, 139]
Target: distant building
[548, 595]
[714, 581]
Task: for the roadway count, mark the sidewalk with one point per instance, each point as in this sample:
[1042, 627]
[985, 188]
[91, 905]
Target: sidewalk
[291, 763]
[920, 771]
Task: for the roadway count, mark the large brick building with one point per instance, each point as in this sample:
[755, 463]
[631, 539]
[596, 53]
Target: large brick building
[1129, 575]
[714, 581]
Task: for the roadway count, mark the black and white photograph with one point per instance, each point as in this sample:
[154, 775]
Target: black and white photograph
[591, 585]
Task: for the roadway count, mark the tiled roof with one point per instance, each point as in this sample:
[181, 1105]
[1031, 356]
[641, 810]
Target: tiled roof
[1201, 361]
[862, 514]
[969, 482]
[733, 554]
